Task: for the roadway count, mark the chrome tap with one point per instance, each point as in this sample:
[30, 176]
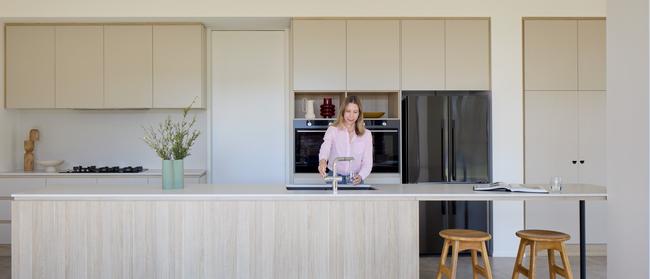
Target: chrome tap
[335, 179]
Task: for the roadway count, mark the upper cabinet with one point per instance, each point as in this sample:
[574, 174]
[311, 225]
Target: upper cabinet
[128, 72]
[467, 54]
[373, 56]
[178, 66]
[591, 55]
[551, 54]
[564, 54]
[79, 67]
[319, 51]
[29, 66]
[99, 66]
[423, 54]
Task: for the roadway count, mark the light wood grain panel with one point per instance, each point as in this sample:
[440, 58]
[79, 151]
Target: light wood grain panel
[29, 66]
[79, 67]
[423, 54]
[319, 54]
[204, 239]
[551, 54]
[178, 66]
[373, 55]
[128, 77]
[467, 54]
[592, 55]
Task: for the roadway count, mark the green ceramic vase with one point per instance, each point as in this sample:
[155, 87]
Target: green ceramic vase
[179, 174]
[167, 174]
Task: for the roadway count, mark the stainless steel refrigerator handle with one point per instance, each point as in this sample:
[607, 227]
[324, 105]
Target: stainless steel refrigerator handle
[444, 170]
[453, 151]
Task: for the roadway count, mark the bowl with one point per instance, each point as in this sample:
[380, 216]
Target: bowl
[373, 114]
[50, 165]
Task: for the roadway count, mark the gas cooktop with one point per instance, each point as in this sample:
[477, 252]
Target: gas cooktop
[94, 169]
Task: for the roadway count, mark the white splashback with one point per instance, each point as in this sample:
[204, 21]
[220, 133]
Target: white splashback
[100, 137]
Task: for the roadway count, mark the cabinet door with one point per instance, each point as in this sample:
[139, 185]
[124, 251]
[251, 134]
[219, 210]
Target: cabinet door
[551, 144]
[591, 55]
[373, 55]
[423, 54]
[128, 81]
[551, 54]
[467, 45]
[592, 149]
[79, 67]
[29, 64]
[178, 66]
[319, 55]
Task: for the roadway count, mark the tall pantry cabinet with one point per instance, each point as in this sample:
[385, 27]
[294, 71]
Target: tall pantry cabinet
[564, 103]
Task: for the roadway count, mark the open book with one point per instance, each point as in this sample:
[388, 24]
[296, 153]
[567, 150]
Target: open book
[500, 186]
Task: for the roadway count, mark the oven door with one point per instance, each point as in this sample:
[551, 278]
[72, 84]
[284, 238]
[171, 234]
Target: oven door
[385, 143]
[307, 146]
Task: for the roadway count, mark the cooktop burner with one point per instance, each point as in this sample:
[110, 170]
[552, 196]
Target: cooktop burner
[94, 169]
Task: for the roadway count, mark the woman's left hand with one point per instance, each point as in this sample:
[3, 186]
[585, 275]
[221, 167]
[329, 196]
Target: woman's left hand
[357, 179]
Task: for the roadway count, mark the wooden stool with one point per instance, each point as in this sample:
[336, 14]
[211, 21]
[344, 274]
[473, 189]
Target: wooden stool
[461, 240]
[542, 240]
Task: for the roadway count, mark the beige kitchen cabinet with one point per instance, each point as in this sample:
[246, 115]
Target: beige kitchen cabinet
[423, 54]
[551, 136]
[565, 136]
[29, 66]
[467, 54]
[373, 54]
[128, 72]
[591, 54]
[319, 55]
[550, 54]
[79, 67]
[178, 66]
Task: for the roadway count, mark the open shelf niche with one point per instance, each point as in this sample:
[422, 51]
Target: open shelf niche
[387, 102]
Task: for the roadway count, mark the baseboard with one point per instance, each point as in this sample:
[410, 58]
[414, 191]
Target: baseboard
[5, 250]
[592, 249]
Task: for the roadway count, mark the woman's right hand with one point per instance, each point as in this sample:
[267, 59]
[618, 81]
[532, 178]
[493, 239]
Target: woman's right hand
[322, 168]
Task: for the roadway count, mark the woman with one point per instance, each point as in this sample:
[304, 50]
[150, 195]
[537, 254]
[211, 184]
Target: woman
[347, 137]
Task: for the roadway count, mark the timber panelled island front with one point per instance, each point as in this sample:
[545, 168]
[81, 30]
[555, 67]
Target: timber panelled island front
[227, 231]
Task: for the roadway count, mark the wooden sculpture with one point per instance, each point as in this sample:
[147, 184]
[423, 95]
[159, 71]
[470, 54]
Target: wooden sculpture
[29, 150]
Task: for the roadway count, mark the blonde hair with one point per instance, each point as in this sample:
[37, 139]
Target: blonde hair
[359, 127]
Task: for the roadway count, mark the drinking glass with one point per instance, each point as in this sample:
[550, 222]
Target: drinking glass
[353, 174]
[556, 184]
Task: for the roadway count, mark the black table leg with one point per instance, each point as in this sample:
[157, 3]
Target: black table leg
[583, 250]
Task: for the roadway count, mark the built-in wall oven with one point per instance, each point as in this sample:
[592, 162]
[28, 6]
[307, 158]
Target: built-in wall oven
[308, 137]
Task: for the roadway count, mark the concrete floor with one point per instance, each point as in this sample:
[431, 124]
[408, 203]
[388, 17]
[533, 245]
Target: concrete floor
[502, 267]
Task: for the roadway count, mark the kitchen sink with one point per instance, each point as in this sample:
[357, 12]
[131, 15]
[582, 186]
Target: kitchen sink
[329, 187]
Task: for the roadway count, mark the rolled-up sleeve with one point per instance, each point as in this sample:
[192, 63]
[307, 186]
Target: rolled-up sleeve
[326, 147]
[366, 162]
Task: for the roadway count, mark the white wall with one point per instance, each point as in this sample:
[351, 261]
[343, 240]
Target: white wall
[628, 126]
[100, 137]
[6, 135]
[506, 54]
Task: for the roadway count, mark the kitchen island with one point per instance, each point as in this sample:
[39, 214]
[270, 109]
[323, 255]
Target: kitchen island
[224, 231]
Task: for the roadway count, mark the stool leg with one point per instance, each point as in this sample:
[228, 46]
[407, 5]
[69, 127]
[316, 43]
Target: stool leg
[486, 261]
[533, 259]
[443, 258]
[551, 263]
[519, 260]
[565, 262]
[474, 264]
[454, 258]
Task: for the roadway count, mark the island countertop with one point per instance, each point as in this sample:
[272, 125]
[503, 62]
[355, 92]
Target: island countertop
[424, 191]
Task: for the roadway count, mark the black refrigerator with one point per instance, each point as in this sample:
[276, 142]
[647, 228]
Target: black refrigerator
[446, 139]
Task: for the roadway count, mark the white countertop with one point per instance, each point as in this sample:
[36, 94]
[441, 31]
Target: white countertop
[150, 172]
[429, 191]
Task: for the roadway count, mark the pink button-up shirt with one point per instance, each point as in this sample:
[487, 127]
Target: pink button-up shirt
[336, 143]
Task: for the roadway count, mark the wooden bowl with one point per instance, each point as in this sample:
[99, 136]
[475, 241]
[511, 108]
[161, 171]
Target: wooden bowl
[373, 114]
